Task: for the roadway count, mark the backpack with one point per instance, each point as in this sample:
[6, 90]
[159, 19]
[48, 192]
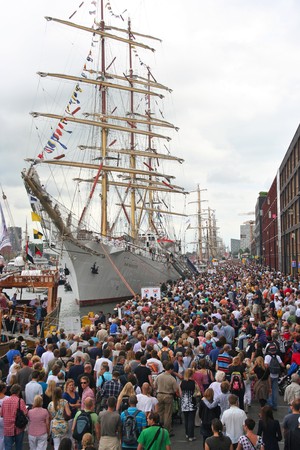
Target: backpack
[125, 403]
[236, 383]
[83, 425]
[165, 356]
[274, 365]
[208, 348]
[272, 349]
[130, 430]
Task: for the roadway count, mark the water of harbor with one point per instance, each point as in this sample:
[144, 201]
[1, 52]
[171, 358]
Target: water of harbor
[71, 313]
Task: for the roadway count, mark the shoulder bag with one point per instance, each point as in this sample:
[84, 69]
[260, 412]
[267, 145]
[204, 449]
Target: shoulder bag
[21, 420]
[154, 439]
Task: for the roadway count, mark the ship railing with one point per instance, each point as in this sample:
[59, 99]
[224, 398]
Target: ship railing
[51, 321]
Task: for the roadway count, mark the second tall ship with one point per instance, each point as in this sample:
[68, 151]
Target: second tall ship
[100, 177]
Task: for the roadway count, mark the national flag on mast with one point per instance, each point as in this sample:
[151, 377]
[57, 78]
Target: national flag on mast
[32, 199]
[37, 234]
[37, 251]
[29, 256]
[4, 236]
[35, 217]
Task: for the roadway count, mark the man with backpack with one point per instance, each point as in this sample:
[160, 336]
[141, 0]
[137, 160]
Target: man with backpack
[133, 422]
[85, 421]
[110, 427]
[274, 363]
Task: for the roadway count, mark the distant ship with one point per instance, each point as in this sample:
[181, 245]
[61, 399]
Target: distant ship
[108, 147]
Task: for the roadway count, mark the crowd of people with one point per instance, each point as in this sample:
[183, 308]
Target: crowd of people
[202, 354]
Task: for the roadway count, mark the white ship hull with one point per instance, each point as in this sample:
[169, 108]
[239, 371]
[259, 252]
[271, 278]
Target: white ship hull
[120, 272]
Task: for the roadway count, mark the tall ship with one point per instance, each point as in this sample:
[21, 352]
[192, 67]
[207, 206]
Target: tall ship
[102, 182]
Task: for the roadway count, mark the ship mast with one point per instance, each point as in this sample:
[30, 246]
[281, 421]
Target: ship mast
[104, 132]
[132, 144]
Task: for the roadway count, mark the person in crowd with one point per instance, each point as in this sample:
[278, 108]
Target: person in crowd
[86, 390]
[123, 398]
[154, 437]
[203, 376]
[290, 421]
[110, 426]
[236, 371]
[166, 387]
[216, 385]
[3, 396]
[12, 434]
[65, 444]
[292, 392]
[146, 402]
[262, 386]
[189, 403]
[218, 440]
[89, 406]
[208, 410]
[269, 429]
[72, 397]
[129, 442]
[111, 388]
[224, 360]
[250, 437]
[39, 425]
[33, 388]
[103, 375]
[274, 363]
[58, 408]
[234, 419]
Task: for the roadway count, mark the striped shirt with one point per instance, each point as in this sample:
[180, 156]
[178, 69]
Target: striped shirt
[223, 361]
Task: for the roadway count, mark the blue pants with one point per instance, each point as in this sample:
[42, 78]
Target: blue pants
[10, 440]
[273, 399]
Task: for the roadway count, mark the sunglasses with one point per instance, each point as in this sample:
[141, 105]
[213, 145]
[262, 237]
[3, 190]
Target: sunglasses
[83, 382]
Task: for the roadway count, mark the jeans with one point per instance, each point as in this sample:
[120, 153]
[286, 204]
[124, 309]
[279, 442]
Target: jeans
[10, 440]
[274, 394]
[189, 422]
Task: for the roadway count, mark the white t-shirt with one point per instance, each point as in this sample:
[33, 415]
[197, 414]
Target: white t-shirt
[99, 362]
[146, 403]
[268, 360]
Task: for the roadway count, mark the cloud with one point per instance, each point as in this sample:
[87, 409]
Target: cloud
[234, 69]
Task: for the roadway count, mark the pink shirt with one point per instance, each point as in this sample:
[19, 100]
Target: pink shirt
[38, 421]
[87, 392]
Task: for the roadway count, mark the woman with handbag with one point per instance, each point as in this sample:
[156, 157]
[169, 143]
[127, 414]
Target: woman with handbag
[262, 386]
[269, 429]
[203, 376]
[208, 410]
[57, 410]
[39, 425]
[189, 390]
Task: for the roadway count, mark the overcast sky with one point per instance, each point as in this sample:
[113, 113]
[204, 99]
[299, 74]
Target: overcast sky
[234, 67]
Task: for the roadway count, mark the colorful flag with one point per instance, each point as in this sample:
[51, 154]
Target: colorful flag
[35, 217]
[37, 251]
[29, 256]
[4, 237]
[32, 199]
[37, 234]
